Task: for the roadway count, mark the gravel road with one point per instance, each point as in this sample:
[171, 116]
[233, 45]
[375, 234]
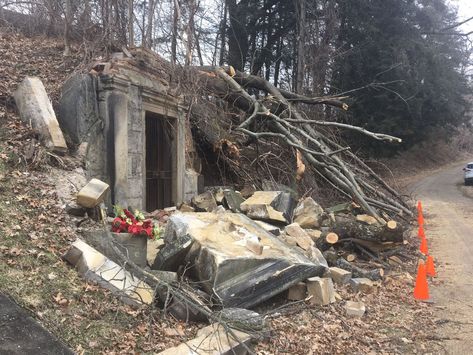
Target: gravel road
[448, 211]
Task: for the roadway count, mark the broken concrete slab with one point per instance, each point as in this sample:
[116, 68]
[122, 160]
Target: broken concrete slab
[233, 200]
[355, 309]
[96, 267]
[321, 290]
[36, 109]
[303, 240]
[297, 292]
[225, 267]
[340, 276]
[204, 202]
[361, 284]
[92, 194]
[269, 205]
[308, 213]
[212, 340]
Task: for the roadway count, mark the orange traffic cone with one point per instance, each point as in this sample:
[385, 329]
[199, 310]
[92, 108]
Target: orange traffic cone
[420, 218]
[423, 246]
[430, 267]
[421, 233]
[421, 289]
[419, 207]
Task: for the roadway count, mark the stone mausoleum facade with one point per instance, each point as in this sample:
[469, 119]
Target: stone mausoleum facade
[124, 114]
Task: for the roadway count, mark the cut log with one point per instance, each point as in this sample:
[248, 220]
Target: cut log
[326, 241]
[350, 257]
[374, 274]
[347, 226]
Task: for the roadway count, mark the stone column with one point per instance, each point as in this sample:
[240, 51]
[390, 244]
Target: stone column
[118, 106]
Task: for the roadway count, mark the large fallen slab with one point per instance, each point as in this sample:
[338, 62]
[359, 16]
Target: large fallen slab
[221, 250]
[95, 266]
[35, 108]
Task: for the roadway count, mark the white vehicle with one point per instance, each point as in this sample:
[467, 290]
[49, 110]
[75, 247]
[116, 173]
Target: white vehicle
[468, 173]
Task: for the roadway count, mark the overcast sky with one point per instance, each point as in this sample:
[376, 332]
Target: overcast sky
[465, 10]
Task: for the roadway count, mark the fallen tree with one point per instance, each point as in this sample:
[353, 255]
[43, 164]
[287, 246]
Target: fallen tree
[275, 115]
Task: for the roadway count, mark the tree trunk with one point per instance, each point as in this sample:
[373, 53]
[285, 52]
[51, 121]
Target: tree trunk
[175, 26]
[373, 274]
[346, 226]
[301, 25]
[67, 28]
[131, 20]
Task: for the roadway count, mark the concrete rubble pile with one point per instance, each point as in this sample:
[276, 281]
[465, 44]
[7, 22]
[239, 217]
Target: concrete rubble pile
[232, 252]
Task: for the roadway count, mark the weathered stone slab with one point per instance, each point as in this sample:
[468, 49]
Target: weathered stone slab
[78, 109]
[36, 109]
[92, 194]
[224, 265]
[340, 276]
[321, 290]
[204, 202]
[269, 205]
[95, 266]
[355, 309]
[308, 213]
[213, 340]
[303, 240]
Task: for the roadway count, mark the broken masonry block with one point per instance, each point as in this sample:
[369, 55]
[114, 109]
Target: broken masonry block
[95, 266]
[274, 206]
[204, 202]
[303, 240]
[321, 290]
[36, 109]
[308, 213]
[361, 284]
[355, 309]
[92, 194]
[340, 276]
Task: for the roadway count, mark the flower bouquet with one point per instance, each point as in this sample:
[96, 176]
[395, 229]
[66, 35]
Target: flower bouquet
[134, 223]
[131, 231]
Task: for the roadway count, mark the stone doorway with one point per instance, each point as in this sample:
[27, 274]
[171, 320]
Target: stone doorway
[159, 132]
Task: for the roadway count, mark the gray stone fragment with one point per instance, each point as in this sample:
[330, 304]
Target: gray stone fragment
[308, 213]
[204, 202]
[177, 243]
[242, 319]
[226, 268]
[36, 109]
[274, 206]
[233, 200]
[78, 108]
[355, 309]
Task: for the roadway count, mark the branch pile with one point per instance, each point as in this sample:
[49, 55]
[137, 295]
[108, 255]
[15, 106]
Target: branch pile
[275, 115]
